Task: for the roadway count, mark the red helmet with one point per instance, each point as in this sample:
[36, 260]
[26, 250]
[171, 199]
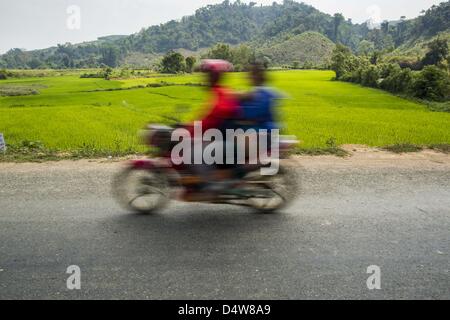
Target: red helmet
[216, 65]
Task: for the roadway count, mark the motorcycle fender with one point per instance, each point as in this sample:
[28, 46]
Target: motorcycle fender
[145, 164]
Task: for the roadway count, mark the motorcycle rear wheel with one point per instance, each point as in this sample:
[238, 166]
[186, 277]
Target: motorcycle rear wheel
[283, 188]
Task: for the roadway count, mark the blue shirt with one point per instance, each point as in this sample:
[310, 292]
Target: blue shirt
[260, 110]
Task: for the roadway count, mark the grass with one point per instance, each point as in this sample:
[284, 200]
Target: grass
[35, 151]
[403, 148]
[331, 149]
[95, 117]
[443, 147]
[12, 90]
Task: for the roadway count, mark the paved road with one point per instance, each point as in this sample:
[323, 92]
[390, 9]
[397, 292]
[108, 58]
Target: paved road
[54, 216]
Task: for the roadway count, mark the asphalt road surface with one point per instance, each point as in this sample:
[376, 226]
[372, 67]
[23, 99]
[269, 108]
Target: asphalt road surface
[346, 219]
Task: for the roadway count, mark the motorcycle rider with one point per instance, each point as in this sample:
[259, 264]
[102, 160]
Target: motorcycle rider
[225, 104]
[222, 115]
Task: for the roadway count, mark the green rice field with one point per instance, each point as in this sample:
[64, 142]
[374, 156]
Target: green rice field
[67, 113]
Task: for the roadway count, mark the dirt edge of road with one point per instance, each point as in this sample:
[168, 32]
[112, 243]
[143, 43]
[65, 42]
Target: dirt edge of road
[359, 157]
[363, 156]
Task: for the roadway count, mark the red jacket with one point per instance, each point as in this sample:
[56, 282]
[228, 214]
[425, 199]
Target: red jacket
[225, 107]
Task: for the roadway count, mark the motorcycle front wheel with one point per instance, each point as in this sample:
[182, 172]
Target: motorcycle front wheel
[141, 190]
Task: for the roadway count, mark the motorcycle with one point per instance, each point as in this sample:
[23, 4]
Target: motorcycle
[147, 185]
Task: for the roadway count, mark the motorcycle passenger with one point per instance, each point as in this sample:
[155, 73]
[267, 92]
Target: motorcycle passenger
[258, 108]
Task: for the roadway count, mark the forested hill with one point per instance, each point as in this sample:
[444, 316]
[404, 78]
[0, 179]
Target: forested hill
[232, 23]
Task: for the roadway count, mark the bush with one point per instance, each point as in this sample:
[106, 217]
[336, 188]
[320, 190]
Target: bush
[398, 81]
[370, 76]
[354, 76]
[439, 106]
[124, 73]
[92, 75]
[387, 69]
[407, 62]
[357, 75]
[18, 90]
[415, 65]
[308, 65]
[432, 83]
[3, 75]
[403, 148]
[347, 77]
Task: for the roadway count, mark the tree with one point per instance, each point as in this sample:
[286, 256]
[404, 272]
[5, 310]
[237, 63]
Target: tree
[35, 63]
[385, 27]
[375, 57]
[220, 51]
[66, 61]
[438, 52]
[173, 62]
[401, 30]
[337, 21]
[382, 40]
[366, 47]
[265, 61]
[110, 56]
[190, 62]
[341, 61]
[242, 56]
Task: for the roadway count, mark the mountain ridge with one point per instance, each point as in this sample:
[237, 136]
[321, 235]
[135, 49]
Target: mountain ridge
[233, 23]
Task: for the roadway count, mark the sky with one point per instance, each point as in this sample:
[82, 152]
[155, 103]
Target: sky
[35, 24]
